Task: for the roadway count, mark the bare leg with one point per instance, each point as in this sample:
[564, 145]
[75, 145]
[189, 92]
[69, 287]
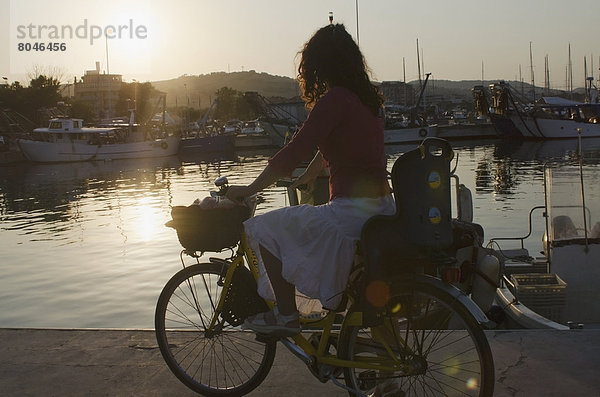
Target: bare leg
[285, 293]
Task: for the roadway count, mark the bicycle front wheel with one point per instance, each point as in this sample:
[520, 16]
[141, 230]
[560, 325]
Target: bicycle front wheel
[440, 346]
[224, 360]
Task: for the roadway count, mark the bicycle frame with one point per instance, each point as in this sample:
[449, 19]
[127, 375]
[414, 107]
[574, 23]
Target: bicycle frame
[420, 311]
[304, 349]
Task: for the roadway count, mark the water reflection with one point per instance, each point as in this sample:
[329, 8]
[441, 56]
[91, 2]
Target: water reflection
[92, 241]
[513, 162]
[51, 193]
[542, 152]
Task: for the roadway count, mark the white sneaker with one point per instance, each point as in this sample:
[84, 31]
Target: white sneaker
[388, 388]
[280, 326]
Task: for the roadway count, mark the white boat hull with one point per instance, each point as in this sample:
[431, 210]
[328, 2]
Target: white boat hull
[465, 131]
[249, 141]
[522, 316]
[408, 135]
[54, 152]
[541, 128]
[553, 129]
[579, 267]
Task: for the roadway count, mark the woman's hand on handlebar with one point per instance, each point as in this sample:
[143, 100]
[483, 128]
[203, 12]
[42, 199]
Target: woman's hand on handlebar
[238, 193]
[304, 182]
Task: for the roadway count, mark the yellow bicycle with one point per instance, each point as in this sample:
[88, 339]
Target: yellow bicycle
[411, 328]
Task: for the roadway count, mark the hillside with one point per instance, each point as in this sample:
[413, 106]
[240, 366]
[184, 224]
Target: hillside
[198, 91]
[458, 89]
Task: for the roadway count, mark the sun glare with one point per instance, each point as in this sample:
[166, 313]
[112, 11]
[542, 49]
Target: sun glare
[146, 220]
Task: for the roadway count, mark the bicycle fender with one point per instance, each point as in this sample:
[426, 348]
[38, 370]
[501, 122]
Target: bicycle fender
[459, 296]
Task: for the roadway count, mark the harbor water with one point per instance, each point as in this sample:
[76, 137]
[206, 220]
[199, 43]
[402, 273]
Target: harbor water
[84, 244]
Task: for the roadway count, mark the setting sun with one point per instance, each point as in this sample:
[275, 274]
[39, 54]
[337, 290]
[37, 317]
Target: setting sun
[146, 219]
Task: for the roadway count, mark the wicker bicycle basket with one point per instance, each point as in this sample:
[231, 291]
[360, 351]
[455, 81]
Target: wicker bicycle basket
[208, 230]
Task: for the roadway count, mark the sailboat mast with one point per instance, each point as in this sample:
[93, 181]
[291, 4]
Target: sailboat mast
[423, 69]
[521, 81]
[531, 66]
[357, 35]
[404, 74]
[109, 81]
[570, 74]
[547, 75]
[419, 65]
[548, 62]
[585, 79]
[481, 72]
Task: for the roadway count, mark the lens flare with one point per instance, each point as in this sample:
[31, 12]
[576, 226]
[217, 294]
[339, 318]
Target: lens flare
[377, 293]
[472, 384]
[452, 366]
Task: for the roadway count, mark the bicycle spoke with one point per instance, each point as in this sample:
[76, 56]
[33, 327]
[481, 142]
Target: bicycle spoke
[448, 385]
[209, 361]
[434, 336]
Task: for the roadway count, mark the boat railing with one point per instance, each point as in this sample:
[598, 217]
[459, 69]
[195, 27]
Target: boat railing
[523, 238]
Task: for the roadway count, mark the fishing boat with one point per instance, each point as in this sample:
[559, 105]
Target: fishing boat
[67, 140]
[208, 137]
[253, 135]
[548, 118]
[207, 141]
[409, 125]
[212, 142]
[232, 127]
[559, 289]
[408, 134]
[252, 127]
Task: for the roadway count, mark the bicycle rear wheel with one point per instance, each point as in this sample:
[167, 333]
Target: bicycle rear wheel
[444, 348]
[223, 361]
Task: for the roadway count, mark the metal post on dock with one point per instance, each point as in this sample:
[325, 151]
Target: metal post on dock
[580, 155]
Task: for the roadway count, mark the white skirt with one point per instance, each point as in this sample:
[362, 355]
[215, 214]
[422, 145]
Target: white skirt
[316, 244]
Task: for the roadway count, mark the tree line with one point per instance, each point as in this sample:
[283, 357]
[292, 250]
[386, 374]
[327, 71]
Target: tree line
[44, 92]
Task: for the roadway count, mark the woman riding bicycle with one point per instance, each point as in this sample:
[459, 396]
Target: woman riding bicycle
[311, 248]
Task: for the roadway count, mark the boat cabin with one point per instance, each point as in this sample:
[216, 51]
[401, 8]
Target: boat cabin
[68, 129]
[586, 113]
[252, 127]
[65, 124]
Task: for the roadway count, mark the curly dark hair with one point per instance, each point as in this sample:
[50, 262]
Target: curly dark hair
[331, 58]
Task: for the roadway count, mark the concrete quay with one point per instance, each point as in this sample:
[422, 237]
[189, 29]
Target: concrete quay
[103, 362]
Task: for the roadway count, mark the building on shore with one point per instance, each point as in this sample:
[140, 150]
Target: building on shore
[101, 90]
[398, 93]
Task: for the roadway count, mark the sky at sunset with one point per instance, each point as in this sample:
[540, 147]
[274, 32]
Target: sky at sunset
[165, 39]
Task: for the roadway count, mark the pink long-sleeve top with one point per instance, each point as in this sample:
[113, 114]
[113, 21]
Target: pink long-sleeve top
[350, 138]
